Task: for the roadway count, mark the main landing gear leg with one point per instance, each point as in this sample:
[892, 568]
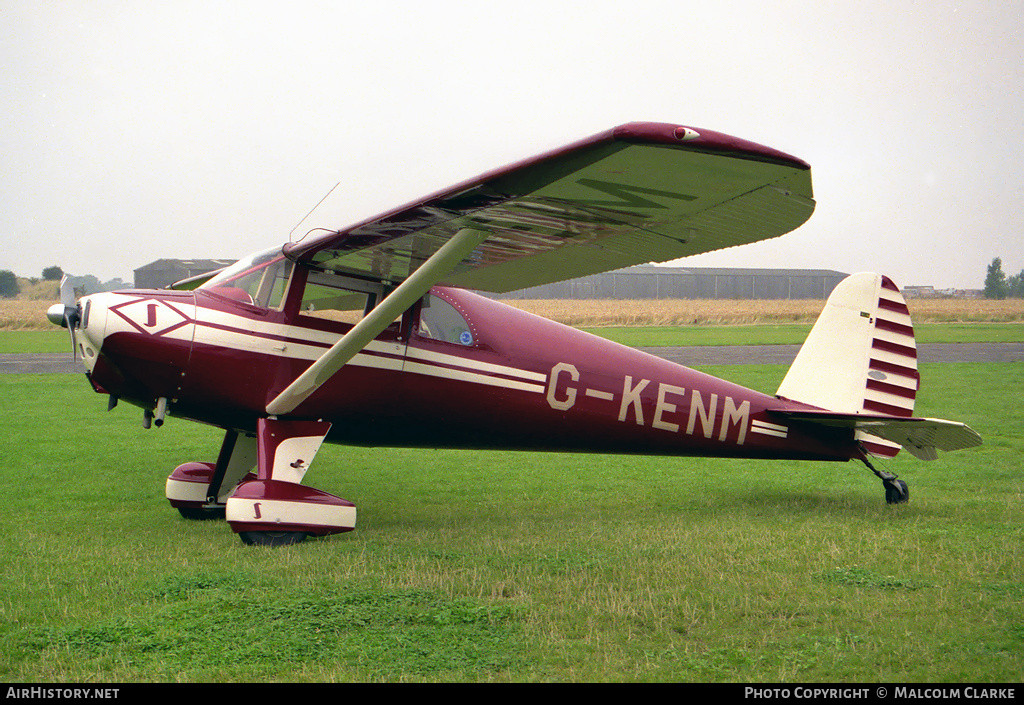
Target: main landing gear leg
[896, 490]
[273, 509]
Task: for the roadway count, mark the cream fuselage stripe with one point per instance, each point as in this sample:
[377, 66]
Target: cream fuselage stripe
[464, 375]
[455, 361]
[226, 330]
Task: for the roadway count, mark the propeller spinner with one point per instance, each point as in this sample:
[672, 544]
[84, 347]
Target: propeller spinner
[66, 313]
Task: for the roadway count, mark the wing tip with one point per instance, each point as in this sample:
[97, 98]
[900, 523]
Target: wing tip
[709, 140]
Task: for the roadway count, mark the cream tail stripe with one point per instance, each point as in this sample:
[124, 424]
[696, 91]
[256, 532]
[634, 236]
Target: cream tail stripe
[892, 377]
[769, 429]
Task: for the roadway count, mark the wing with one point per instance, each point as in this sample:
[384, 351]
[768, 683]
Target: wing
[641, 192]
[921, 437]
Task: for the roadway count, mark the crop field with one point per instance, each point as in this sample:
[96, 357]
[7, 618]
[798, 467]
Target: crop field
[30, 314]
[683, 312]
[476, 566]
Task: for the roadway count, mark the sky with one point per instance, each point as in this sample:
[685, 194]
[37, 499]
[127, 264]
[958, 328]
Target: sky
[135, 131]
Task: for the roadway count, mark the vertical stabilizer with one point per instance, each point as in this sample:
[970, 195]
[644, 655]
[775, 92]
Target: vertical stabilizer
[860, 357]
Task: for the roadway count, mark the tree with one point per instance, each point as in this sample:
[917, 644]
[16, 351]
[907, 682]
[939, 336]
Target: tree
[85, 284]
[1015, 286]
[53, 273]
[995, 281]
[8, 284]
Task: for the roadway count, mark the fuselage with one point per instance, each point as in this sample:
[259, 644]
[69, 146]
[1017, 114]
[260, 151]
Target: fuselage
[457, 370]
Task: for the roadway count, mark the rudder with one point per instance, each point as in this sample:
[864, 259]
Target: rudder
[860, 357]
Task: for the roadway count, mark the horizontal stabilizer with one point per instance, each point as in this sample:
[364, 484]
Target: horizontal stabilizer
[921, 437]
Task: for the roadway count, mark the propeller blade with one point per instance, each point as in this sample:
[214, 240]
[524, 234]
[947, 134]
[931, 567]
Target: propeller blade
[67, 292]
[71, 316]
[74, 342]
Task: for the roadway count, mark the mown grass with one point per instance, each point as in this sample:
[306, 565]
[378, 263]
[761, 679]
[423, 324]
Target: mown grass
[474, 566]
[35, 341]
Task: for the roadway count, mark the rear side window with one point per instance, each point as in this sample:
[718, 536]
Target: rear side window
[439, 320]
[333, 303]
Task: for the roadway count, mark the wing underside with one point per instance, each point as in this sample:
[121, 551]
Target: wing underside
[644, 192]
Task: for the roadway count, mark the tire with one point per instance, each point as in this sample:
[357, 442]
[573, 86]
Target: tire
[272, 538]
[893, 496]
[201, 513]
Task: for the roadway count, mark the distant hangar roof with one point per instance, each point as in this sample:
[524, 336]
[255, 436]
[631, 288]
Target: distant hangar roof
[658, 282]
[164, 272]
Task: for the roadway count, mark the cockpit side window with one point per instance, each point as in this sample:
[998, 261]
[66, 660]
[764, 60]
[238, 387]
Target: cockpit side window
[274, 284]
[260, 280]
[439, 320]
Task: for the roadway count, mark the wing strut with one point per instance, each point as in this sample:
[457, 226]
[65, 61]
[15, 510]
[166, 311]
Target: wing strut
[437, 266]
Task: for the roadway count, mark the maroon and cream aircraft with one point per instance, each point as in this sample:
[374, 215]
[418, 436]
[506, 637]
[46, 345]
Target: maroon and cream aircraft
[371, 336]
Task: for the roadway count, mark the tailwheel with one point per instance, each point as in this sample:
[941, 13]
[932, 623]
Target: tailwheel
[896, 491]
[272, 538]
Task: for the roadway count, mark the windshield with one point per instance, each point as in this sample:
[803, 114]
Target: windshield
[260, 279]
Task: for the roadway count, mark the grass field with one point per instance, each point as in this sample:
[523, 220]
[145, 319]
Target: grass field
[57, 340]
[472, 566]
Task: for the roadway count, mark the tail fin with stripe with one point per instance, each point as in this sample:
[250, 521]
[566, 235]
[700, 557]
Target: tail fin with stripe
[860, 358]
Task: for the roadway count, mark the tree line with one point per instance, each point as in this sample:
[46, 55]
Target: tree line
[999, 286]
[84, 284]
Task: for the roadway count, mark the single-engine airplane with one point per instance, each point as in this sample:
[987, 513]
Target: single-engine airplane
[263, 349]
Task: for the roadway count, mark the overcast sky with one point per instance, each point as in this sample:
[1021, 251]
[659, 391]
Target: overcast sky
[134, 131]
